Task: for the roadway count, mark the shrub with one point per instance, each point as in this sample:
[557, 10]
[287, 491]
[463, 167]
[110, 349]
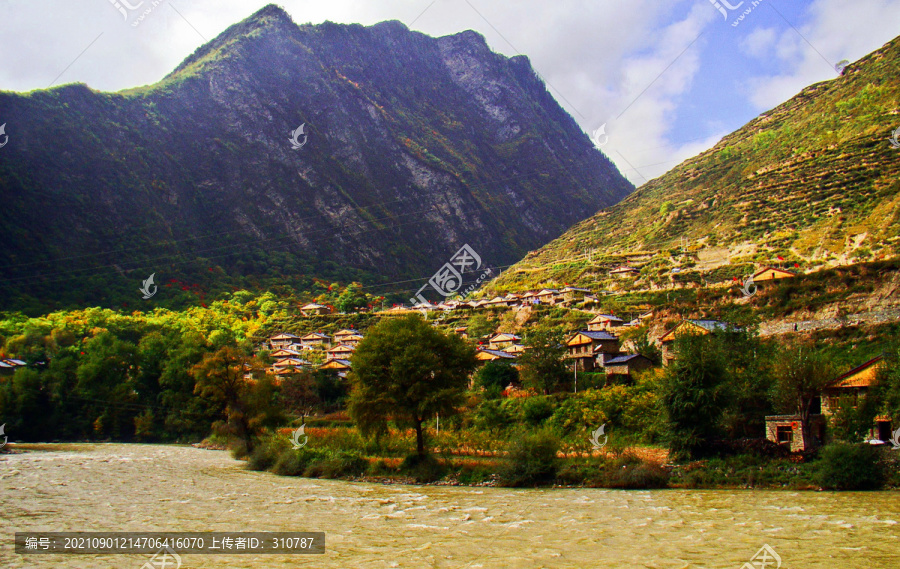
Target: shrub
[266, 452]
[628, 472]
[238, 450]
[584, 471]
[295, 462]
[423, 468]
[492, 416]
[495, 376]
[849, 467]
[635, 474]
[531, 461]
[381, 467]
[474, 473]
[289, 463]
[537, 410]
[336, 465]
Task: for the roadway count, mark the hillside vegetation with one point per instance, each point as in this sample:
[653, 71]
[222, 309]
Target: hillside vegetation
[814, 181]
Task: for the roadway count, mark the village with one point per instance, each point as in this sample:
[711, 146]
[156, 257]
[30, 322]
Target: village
[598, 348]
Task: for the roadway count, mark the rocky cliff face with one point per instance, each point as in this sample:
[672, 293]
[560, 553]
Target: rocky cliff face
[411, 146]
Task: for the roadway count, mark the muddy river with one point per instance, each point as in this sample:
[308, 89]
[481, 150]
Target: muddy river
[117, 487]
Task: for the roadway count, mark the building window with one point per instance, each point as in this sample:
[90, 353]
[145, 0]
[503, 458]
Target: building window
[785, 435]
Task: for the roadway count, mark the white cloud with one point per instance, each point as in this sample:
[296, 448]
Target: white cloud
[651, 87]
[759, 43]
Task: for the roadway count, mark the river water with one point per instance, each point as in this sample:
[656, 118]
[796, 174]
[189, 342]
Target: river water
[118, 487]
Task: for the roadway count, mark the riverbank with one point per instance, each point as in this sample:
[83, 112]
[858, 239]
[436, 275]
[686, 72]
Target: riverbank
[534, 462]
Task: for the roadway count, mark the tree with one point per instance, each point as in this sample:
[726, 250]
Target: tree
[644, 346]
[298, 392]
[693, 395]
[106, 383]
[352, 298]
[886, 391]
[749, 382]
[542, 363]
[479, 326]
[495, 376]
[800, 374]
[406, 370]
[248, 406]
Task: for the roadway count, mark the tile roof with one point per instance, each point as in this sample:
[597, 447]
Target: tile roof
[598, 335]
[842, 380]
[623, 359]
[498, 353]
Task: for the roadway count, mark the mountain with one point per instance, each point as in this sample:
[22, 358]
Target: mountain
[814, 181]
[410, 147]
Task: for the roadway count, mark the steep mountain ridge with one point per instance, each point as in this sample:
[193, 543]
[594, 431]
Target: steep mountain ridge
[413, 146]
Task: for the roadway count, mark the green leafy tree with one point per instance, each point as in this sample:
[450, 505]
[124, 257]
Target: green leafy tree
[647, 348]
[331, 390]
[352, 298]
[693, 395]
[749, 381]
[800, 374]
[298, 392]
[248, 407]
[479, 326]
[407, 371]
[886, 391]
[106, 385]
[495, 376]
[185, 414]
[542, 364]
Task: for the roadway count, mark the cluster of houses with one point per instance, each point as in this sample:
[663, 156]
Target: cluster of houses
[588, 350]
[288, 351]
[567, 296]
[594, 349]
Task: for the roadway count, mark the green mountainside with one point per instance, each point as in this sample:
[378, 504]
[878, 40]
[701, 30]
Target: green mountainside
[814, 181]
[413, 147]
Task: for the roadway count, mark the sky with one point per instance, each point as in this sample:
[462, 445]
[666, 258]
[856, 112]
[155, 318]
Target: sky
[652, 81]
